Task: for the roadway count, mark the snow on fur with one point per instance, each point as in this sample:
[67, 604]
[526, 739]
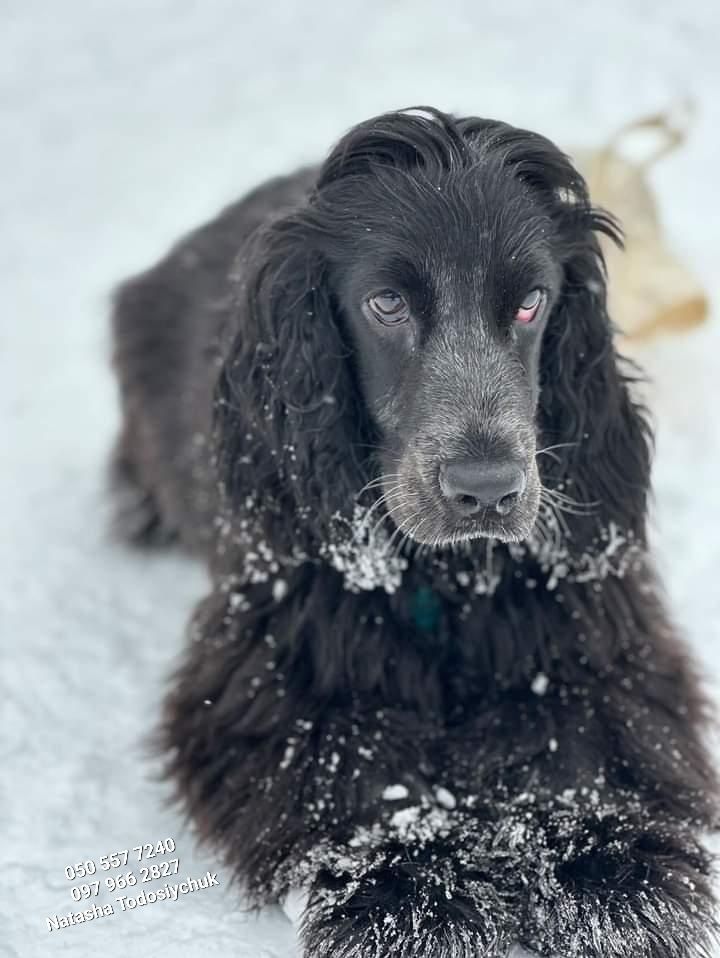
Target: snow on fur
[369, 556]
[476, 874]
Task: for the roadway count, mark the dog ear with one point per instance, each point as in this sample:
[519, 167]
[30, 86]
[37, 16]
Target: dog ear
[587, 406]
[288, 411]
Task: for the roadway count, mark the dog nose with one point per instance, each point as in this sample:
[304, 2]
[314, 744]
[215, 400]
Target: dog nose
[472, 485]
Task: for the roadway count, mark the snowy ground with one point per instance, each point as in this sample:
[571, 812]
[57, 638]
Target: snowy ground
[123, 124]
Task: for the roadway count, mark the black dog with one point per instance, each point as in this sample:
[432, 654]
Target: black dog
[434, 683]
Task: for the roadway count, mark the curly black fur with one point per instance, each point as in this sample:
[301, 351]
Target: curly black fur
[453, 742]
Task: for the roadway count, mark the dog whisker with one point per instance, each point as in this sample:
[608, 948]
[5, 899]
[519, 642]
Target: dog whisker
[567, 503]
[378, 481]
[381, 501]
[558, 445]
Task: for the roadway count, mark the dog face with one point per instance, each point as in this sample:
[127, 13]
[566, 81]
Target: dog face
[445, 271]
[438, 297]
[446, 291]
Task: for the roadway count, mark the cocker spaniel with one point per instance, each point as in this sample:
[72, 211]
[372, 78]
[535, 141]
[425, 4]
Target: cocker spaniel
[434, 683]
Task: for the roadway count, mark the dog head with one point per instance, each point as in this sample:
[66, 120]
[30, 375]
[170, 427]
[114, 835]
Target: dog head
[429, 326]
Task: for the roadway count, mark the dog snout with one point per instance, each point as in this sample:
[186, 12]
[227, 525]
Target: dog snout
[475, 485]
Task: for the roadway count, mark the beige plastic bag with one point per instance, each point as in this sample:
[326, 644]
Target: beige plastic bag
[649, 289]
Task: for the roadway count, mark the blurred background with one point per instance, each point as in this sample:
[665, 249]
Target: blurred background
[123, 124]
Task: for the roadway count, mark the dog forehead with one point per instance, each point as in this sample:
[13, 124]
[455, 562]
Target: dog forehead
[460, 286]
[460, 220]
[457, 240]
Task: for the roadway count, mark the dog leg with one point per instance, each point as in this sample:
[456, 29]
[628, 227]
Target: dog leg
[596, 811]
[337, 796]
[565, 821]
[138, 518]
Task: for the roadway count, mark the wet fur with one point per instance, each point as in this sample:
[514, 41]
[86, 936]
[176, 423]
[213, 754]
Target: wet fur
[578, 800]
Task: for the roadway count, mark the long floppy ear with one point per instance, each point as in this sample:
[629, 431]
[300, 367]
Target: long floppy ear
[288, 412]
[587, 407]
[292, 432]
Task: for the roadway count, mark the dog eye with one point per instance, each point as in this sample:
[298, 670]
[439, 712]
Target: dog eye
[389, 307]
[529, 307]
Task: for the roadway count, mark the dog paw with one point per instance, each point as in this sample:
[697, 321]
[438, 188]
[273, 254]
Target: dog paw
[404, 911]
[137, 517]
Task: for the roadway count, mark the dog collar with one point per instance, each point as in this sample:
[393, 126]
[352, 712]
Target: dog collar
[426, 608]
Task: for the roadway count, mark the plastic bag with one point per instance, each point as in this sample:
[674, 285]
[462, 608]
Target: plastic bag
[649, 288]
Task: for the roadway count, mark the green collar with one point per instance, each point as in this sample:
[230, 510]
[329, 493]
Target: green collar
[426, 608]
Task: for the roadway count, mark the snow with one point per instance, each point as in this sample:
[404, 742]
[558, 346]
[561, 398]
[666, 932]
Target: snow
[279, 589]
[394, 793]
[539, 684]
[444, 797]
[363, 553]
[125, 124]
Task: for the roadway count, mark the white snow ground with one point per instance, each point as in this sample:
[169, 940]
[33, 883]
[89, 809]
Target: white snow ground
[123, 124]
